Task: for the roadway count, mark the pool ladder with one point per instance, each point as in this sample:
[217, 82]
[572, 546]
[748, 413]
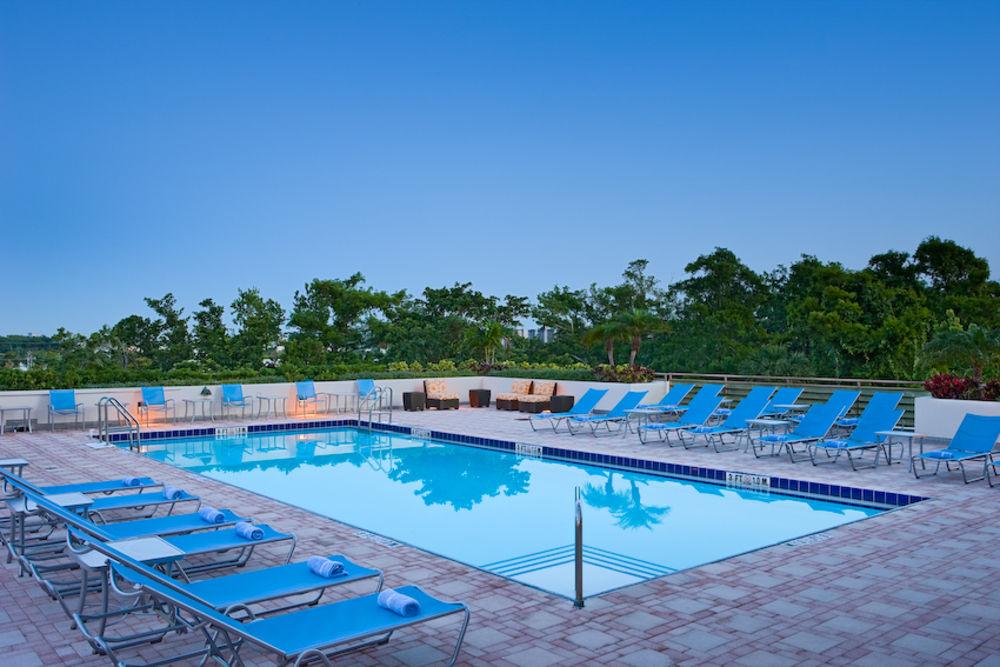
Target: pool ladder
[376, 407]
[125, 421]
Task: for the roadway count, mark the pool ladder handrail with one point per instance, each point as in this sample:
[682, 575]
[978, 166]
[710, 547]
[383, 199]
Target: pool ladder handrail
[378, 403]
[105, 429]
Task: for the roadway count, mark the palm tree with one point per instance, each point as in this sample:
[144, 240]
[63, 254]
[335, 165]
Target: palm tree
[636, 325]
[607, 333]
[489, 338]
[975, 349]
[625, 506]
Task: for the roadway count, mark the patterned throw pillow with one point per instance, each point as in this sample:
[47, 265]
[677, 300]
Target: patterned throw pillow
[521, 387]
[544, 388]
[438, 389]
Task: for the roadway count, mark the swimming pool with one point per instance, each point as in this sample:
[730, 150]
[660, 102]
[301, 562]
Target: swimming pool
[503, 512]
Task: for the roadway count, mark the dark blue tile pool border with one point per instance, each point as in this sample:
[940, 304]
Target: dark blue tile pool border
[839, 493]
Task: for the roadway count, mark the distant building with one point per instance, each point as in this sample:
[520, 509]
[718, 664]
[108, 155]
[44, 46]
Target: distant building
[543, 334]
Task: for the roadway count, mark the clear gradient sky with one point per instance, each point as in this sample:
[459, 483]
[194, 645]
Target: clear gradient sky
[198, 147]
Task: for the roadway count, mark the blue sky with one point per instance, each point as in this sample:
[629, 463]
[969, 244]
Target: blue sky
[148, 147]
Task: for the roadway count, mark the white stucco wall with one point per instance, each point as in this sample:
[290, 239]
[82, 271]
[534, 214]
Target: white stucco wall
[38, 401]
[939, 417]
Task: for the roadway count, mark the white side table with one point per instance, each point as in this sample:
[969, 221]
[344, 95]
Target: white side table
[909, 437]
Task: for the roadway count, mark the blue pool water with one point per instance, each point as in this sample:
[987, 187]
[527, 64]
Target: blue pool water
[503, 512]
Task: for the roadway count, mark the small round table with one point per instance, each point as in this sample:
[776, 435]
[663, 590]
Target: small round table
[206, 408]
[266, 403]
[25, 416]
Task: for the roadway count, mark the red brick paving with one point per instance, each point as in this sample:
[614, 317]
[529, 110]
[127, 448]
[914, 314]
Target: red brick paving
[914, 586]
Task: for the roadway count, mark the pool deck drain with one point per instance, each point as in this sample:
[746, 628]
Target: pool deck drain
[885, 591]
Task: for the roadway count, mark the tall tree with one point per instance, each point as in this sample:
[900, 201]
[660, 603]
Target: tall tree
[173, 339]
[258, 328]
[211, 339]
[327, 319]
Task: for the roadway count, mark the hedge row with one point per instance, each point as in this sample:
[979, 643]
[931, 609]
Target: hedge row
[17, 380]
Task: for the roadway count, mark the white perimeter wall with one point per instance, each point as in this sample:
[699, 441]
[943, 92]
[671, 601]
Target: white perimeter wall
[38, 401]
[940, 417]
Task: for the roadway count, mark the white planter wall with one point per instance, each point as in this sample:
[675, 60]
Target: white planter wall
[38, 401]
[940, 417]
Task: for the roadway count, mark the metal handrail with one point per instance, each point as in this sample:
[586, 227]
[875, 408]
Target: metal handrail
[800, 380]
[376, 403]
[133, 428]
[816, 389]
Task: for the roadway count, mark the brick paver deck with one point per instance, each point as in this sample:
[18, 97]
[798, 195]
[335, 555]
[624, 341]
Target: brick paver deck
[913, 586]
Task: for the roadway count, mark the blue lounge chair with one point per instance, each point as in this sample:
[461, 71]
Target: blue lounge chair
[189, 545]
[698, 412]
[843, 399]
[992, 466]
[815, 425]
[618, 415]
[706, 390]
[232, 398]
[584, 406]
[240, 594]
[306, 395]
[314, 634]
[863, 438]
[145, 496]
[173, 524]
[228, 593]
[783, 397]
[881, 402]
[104, 486]
[62, 403]
[670, 402]
[975, 440]
[735, 425]
[154, 400]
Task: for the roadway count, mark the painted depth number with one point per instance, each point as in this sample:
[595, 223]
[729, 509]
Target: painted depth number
[528, 449]
[745, 480]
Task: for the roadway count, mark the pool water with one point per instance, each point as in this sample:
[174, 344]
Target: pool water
[503, 512]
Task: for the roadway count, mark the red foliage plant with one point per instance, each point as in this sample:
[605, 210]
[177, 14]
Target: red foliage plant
[947, 385]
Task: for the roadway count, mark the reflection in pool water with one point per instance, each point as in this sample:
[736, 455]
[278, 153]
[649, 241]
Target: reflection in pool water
[503, 512]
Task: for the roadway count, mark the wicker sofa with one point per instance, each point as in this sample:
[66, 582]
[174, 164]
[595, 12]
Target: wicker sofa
[439, 396]
[527, 396]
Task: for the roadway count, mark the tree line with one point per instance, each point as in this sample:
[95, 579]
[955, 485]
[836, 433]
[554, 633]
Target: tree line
[811, 318]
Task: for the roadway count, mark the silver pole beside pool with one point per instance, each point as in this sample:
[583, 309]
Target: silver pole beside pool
[578, 551]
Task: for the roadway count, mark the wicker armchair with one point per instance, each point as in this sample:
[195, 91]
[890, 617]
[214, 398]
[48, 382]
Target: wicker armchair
[439, 396]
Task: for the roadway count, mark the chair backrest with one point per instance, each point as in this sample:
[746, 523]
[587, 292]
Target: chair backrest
[153, 396]
[710, 390]
[883, 402]
[818, 420]
[749, 408]
[843, 399]
[627, 402]
[232, 393]
[18, 482]
[977, 434]
[784, 396]
[366, 388]
[305, 389]
[588, 402]
[676, 394]
[873, 421]
[62, 399]
[702, 406]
